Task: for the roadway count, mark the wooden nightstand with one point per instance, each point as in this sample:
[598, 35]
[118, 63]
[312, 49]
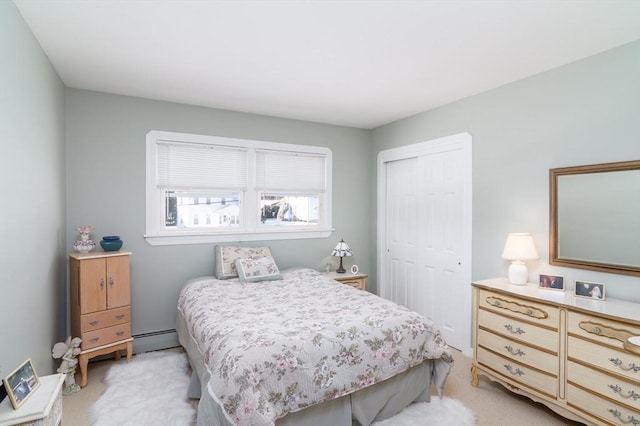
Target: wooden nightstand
[43, 408]
[358, 280]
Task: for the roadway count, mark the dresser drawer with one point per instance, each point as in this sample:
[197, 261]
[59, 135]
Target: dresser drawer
[108, 318]
[538, 313]
[529, 377]
[517, 330]
[604, 409]
[605, 358]
[357, 283]
[518, 351]
[104, 336]
[624, 392]
[609, 332]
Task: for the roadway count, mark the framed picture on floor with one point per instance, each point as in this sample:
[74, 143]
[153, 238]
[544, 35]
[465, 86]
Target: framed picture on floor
[21, 383]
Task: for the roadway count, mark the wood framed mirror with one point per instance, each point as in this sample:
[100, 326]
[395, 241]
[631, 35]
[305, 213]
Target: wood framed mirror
[595, 217]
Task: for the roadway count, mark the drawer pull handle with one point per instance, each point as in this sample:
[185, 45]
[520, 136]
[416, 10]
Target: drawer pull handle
[516, 352]
[605, 330]
[94, 322]
[94, 340]
[119, 333]
[120, 316]
[517, 330]
[630, 394]
[515, 372]
[629, 367]
[630, 419]
[530, 311]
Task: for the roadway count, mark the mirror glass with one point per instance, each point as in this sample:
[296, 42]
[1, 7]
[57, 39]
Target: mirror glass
[595, 217]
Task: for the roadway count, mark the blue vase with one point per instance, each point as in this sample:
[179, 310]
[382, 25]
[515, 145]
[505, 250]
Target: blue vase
[111, 243]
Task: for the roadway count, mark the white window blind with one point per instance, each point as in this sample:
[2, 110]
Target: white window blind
[183, 166]
[203, 189]
[278, 171]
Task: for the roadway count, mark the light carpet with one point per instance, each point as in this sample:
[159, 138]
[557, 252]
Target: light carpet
[149, 390]
[152, 389]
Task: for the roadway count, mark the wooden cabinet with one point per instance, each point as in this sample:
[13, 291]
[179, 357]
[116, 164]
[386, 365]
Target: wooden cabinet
[100, 291]
[565, 352]
[358, 281]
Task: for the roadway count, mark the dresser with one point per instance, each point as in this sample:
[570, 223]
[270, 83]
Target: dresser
[358, 280]
[566, 352]
[43, 408]
[100, 303]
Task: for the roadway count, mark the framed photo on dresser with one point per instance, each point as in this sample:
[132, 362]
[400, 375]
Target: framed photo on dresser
[589, 290]
[21, 383]
[552, 282]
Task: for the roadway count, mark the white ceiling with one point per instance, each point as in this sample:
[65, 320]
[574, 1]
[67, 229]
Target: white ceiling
[355, 63]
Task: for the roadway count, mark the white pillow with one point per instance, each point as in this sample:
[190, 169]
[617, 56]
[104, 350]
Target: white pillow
[225, 258]
[261, 269]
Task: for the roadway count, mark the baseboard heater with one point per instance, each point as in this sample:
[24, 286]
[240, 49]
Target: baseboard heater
[155, 340]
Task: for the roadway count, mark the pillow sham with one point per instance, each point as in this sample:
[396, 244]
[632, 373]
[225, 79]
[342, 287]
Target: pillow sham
[226, 256]
[261, 269]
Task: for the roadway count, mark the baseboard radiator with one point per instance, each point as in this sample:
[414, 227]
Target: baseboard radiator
[155, 341]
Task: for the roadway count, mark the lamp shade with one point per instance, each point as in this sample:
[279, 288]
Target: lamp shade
[519, 246]
[342, 249]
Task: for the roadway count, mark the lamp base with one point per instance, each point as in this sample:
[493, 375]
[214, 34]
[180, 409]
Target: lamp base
[518, 273]
[341, 269]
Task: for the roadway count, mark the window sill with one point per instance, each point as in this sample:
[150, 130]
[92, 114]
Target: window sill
[179, 239]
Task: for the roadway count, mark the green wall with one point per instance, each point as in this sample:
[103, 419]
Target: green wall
[74, 157]
[582, 113]
[32, 194]
[106, 189]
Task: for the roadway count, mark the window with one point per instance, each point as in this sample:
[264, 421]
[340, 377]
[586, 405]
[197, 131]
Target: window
[212, 189]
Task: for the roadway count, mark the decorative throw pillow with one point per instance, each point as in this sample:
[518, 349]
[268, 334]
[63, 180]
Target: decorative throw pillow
[226, 256]
[262, 269]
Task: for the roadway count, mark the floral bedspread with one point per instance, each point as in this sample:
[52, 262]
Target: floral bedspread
[275, 347]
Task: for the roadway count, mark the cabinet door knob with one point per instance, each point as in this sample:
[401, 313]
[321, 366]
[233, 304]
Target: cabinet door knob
[111, 281]
[101, 282]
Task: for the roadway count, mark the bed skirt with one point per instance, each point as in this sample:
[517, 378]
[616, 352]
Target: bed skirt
[374, 403]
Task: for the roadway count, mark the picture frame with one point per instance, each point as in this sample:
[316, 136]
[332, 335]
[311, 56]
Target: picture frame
[354, 269]
[551, 282]
[21, 383]
[589, 290]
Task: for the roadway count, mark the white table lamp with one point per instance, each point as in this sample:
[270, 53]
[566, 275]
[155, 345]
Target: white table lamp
[518, 248]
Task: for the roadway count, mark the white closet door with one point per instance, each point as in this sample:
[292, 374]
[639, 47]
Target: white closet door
[425, 233]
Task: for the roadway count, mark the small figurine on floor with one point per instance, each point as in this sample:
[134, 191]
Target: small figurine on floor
[68, 351]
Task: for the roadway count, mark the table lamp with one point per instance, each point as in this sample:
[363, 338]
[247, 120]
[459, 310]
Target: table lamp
[518, 248]
[341, 250]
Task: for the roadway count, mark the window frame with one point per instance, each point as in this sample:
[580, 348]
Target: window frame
[250, 228]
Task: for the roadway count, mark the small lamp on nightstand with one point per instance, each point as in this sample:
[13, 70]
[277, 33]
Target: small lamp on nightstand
[518, 248]
[341, 250]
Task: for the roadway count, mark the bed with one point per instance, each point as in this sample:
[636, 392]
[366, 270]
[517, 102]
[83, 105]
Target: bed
[297, 348]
